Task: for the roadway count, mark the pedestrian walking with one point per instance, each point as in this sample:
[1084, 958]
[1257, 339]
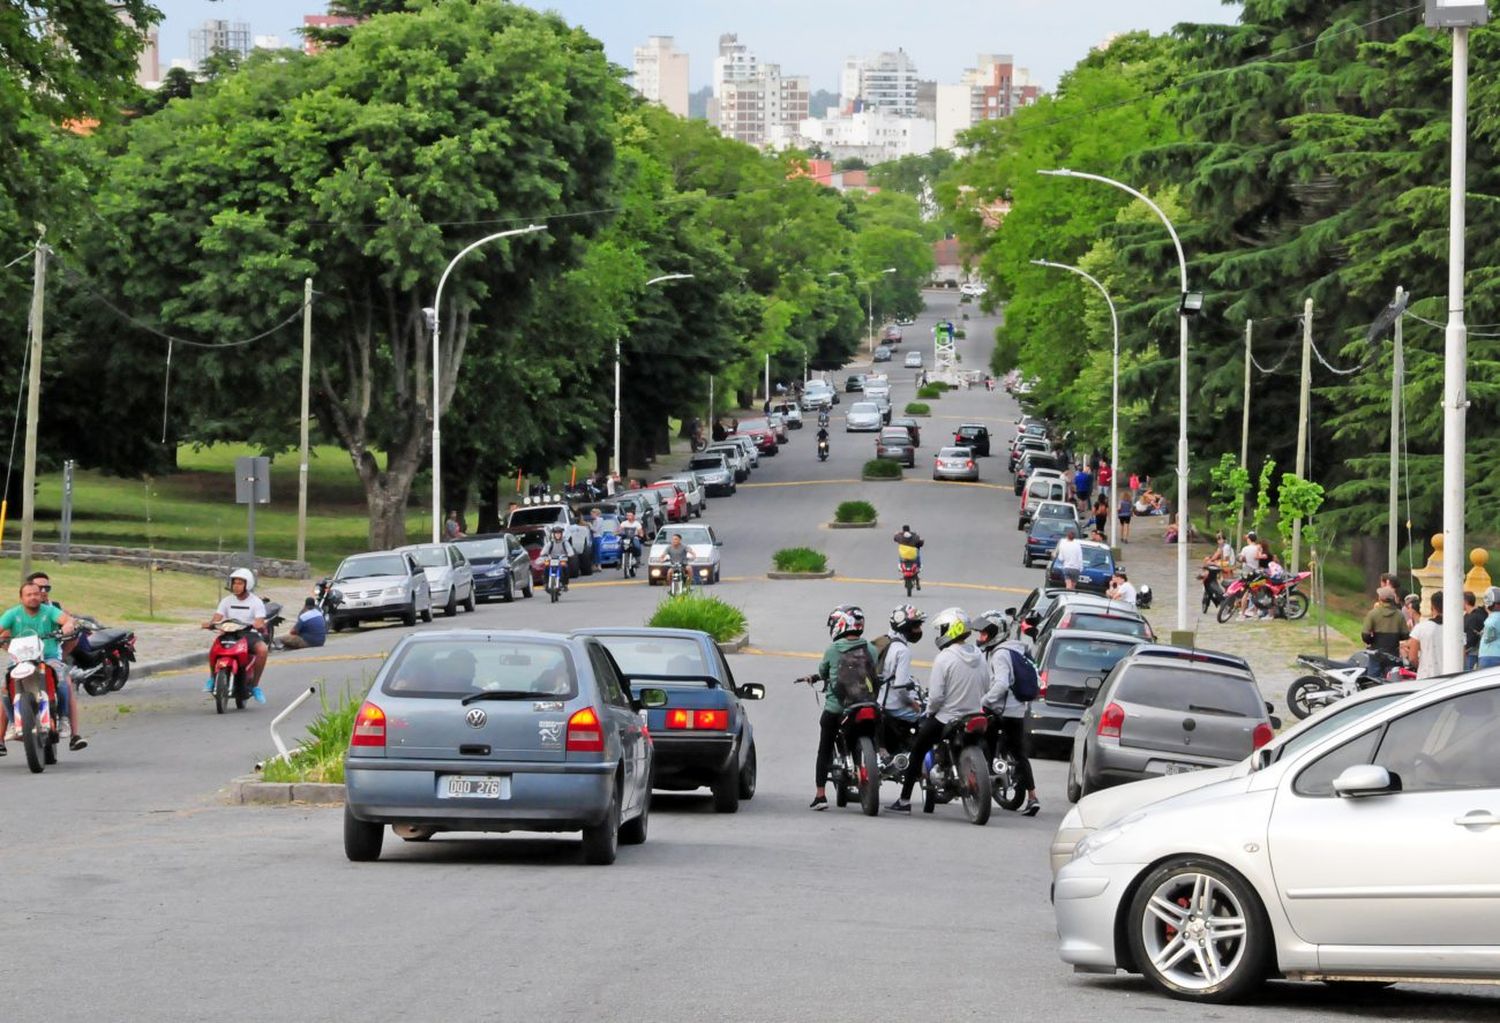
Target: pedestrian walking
[1424, 650]
[1474, 616]
[1135, 488]
[1124, 513]
[1069, 558]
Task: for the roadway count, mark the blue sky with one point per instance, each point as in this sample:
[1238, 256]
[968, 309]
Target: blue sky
[803, 36]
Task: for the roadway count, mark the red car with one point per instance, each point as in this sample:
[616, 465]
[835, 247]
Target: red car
[676, 500]
[532, 539]
[759, 431]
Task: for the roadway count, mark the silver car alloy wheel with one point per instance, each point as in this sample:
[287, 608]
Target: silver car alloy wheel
[1194, 931]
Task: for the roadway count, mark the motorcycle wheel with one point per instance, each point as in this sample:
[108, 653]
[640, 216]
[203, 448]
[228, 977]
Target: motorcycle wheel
[121, 675]
[1226, 611]
[222, 682]
[1300, 690]
[974, 781]
[1005, 789]
[836, 776]
[908, 586]
[929, 796]
[869, 777]
[1296, 606]
[49, 748]
[1207, 601]
[31, 739]
[97, 684]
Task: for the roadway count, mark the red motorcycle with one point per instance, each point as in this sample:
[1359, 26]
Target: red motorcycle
[910, 575]
[232, 662]
[1282, 598]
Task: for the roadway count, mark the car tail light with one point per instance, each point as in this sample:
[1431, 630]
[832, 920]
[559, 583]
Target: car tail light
[1111, 721]
[698, 720]
[1067, 621]
[369, 727]
[967, 465]
[865, 714]
[1041, 678]
[584, 732]
[1263, 735]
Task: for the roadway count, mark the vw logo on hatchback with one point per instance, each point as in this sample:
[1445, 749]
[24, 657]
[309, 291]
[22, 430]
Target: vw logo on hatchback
[476, 717]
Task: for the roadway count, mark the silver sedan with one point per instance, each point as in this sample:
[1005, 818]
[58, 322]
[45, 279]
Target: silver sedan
[955, 464]
[863, 416]
[1367, 855]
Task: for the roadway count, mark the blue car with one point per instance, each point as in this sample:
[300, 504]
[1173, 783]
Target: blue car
[1042, 538]
[1098, 568]
[607, 546]
[702, 735]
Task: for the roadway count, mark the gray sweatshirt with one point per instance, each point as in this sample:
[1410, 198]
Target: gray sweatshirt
[999, 698]
[958, 682]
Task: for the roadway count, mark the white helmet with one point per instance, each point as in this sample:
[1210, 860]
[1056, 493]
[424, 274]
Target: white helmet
[241, 573]
[950, 626]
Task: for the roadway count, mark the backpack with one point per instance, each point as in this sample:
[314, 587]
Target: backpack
[1024, 683]
[882, 645]
[854, 677]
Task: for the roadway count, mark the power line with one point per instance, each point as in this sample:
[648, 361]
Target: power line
[1444, 326]
[1332, 368]
[22, 256]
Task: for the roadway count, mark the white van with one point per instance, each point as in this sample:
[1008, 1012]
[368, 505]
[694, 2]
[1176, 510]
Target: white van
[1039, 489]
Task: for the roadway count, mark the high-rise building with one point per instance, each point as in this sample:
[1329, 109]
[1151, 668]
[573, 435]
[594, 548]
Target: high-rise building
[886, 81]
[268, 42]
[148, 61]
[735, 63]
[753, 110]
[218, 35]
[661, 74]
[310, 45]
[994, 89]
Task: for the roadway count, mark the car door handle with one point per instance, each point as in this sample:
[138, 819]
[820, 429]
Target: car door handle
[1477, 819]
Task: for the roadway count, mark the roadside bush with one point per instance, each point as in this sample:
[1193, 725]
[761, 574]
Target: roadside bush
[321, 758]
[882, 468]
[931, 391]
[698, 611]
[801, 559]
[854, 511]
[917, 408]
[960, 333]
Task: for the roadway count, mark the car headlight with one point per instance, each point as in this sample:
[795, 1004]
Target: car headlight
[1099, 839]
[394, 591]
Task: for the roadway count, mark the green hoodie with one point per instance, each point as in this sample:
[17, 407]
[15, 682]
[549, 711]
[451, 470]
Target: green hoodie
[829, 666]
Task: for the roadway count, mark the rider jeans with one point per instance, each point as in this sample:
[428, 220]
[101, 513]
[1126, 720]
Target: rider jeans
[828, 730]
[928, 733]
[1012, 738]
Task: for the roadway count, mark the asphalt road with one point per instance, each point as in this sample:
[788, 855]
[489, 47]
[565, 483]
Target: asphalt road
[134, 892]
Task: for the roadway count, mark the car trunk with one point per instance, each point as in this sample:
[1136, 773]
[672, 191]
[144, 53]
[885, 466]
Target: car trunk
[1192, 712]
[440, 728]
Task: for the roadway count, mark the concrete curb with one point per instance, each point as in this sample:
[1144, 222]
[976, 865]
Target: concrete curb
[735, 645]
[881, 479]
[250, 790]
[170, 664]
[853, 525]
[918, 415]
[800, 575]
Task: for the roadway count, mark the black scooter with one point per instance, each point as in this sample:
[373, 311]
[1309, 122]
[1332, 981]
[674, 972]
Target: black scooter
[101, 660]
[1213, 590]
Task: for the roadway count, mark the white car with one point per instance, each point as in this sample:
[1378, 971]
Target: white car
[972, 289]
[738, 459]
[818, 394]
[790, 411]
[863, 416]
[449, 575]
[381, 585]
[913, 360]
[701, 540]
[1366, 855]
[877, 387]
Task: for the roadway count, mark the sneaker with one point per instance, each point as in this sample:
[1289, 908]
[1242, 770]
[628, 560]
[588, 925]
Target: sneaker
[260, 697]
[900, 806]
[77, 743]
[2, 749]
[820, 803]
[208, 686]
[1031, 809]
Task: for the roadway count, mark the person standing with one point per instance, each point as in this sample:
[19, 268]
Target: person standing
[452, 530]
[1069, 558]
[1474, 616]
[1124, 513]
[1083, 487]
[1384, 628]
[1489, 636]
[1425, 647]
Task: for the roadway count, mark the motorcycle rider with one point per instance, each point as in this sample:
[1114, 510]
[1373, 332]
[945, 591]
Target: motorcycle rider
[559, 547]
[906, 538]
[1006, 706]
[900, 704]
[242, 605]
[846, 627]
[679, 555]
[33, 617]
[822, 437]
[630, 533]
[955, 690]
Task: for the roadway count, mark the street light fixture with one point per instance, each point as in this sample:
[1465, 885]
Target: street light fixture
[618, 465]
[432, 314]
[1183, 519]
[1114, 416]
[1460, 16]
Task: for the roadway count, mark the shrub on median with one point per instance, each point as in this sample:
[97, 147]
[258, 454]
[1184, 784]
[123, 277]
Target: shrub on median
[800, 559]
[321, 757]
[720, 620]
[931, 390]
[854, 511]
[882, 468]
[917, 408]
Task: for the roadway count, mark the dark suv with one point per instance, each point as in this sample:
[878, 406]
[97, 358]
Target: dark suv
[975, 437]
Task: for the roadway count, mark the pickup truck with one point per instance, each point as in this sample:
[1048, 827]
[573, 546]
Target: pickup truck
[550, 512]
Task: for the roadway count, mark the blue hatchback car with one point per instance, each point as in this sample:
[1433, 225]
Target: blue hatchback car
[607, 547]
[1098, 568]
[1042, 538]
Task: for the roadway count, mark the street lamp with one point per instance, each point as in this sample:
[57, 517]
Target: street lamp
[869, 304]
[618, 465]
[433, 315]
[1460, 16]
[1183, 312]
[1114, 416]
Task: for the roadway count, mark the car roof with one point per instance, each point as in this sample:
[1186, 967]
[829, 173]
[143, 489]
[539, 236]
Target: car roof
[417, 546]
[1093, 635]
[972, 426]
[484, 536]
[957, 450]
[1094, 545]
[1191, 655]
[641, 630]
[1093, 602]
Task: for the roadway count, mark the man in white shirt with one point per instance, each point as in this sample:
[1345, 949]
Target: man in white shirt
[242, 605]
[1121, 589]
[1425, 647]
[1069, 558]
[1250, 555]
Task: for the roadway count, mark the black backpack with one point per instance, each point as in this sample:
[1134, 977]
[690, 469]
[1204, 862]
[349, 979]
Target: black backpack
[1025, 685]
[854, 677]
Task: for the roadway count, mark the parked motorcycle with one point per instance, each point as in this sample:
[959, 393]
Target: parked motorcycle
[1283, 599]
[327, 598]
[1335, 680]
[231, 661]
[31, 690]
[855, 771]
[554, 578]
[102, 657]
[955, 769]
[1213, 589]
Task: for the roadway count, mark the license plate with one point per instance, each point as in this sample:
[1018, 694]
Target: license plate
[471, 786]
[1181, 768]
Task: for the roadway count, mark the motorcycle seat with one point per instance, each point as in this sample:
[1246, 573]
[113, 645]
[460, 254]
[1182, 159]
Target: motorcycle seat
[107, 637]
[1314, 660]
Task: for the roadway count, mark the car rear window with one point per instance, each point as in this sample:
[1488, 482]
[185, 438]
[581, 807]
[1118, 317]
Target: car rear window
[1089, 656]
[954, 453]
[656, 655]
[1109, 623]
[455, 668]
[1191, 691]
[1095, 557]
[543, 516]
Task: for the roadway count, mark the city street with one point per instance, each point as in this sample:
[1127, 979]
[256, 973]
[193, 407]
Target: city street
[135, 892]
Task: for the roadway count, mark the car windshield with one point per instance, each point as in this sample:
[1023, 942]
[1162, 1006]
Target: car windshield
[1087, 656]
[542, 516]
[431, 557]
[369, 565]
[487, 547]
[1049, 527]
[970, 431]
[457, 668]
[1191, 691]
[690, 535]
[658, 655]
[754, 424]
[1051, 510]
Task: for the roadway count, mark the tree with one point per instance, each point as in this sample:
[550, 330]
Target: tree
[334, 36]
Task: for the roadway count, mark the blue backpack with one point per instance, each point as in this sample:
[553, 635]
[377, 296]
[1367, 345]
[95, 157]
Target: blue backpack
[1025, 685]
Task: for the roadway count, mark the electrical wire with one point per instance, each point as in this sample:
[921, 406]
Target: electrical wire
[1279, 362]
[1444, 326]
[15, 428]
[22, 256]
[1332, 368]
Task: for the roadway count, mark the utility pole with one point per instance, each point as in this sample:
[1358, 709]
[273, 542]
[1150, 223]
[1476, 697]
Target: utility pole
[1239, 520]
[1304, 410]
[1398, 373]
[307, 297]
[33, 402]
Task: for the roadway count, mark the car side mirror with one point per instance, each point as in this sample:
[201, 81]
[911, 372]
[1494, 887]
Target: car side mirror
[1275, 721]
[651, 698]
[1365, 780]
[1010, 612]
[751, 691]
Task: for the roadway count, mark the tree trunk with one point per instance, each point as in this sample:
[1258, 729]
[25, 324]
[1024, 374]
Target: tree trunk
[662, 437]
[386, 498]
[1369, 553]
[489, 506]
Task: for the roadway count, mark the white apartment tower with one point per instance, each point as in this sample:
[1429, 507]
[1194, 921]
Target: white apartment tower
[661, 74]
[218, 36]
[752, 110]
[884, 81]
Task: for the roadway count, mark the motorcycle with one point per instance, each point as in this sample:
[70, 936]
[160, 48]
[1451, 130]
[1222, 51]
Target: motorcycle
[1333, 681]
[1213, 589]
[955, 769]
[554, 578]
[31, 689]
[911, 574]
[1282, 599]
[627, 559]
[822, 451]
[326, 598]
[231, 661]
[677, 580]
[102, 658]
[1005, 787]
[855, 772]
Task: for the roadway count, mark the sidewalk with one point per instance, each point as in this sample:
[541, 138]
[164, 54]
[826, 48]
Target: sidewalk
[1270, 645]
